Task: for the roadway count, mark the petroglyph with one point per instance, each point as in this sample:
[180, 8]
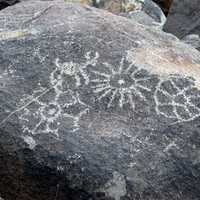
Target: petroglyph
[164, 62]
[48, 115]
[177, 98]
[123, 83]
[77, 70]
[47, 110]
[64, 104]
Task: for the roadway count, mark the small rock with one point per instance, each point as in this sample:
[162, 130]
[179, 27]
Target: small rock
[150, 14]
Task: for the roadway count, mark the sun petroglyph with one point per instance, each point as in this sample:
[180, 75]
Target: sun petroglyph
[122, 83]
[177, 98]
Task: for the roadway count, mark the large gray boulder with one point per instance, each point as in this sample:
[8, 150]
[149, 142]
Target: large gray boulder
[94, 106]
[184, 18]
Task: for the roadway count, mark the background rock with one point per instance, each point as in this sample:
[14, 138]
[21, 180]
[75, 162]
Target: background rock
[165, 5]
[183, 18]
[150, 14]
[95, 106]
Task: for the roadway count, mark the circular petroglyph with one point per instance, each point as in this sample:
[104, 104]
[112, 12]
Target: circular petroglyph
[121, 84]
[177, 98]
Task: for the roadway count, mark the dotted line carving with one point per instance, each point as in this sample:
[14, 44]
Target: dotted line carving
[65, 104]
[177, 98]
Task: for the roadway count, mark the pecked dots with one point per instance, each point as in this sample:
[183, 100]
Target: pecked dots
[177, 98]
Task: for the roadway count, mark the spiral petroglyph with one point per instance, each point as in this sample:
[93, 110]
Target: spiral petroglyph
[177, 98]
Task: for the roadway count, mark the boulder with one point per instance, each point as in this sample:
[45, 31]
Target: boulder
[145, 12]
[94, 106]
[164, 4]
[183, 18]
[149, 14]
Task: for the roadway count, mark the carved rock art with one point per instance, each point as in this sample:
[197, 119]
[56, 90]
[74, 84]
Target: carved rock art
[177, 98]
[76, 70]
[81, 125]
[121, 84]
[65, 103]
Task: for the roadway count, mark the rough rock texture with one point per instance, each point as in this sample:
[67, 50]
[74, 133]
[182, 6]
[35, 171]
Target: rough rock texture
[150, 14]
[193, 40]
[94, 106]
[184, 18]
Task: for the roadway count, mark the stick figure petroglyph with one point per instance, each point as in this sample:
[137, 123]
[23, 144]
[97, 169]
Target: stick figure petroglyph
[122, 84]
[65, 103]
[77, 70]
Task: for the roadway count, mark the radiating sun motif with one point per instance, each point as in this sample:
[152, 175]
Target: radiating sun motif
[123, 84]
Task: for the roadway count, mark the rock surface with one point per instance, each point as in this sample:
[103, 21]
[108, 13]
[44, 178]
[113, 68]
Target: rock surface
[184, 18]
[94, 106]
[193, 40]
[149, 14]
